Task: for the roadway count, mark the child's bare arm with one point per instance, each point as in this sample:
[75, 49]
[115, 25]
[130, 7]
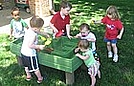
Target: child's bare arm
[77, 35]
[76, 50]
[11, 31]
[91, 40]
[34, 46]
[120, 34]
[68, 31]
[54, 28]
[82, 57]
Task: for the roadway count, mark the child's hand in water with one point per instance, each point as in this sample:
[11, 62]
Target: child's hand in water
[76, 50]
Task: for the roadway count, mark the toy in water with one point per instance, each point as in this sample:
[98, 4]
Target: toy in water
[48, 42]
[43, 38]
[60, 33]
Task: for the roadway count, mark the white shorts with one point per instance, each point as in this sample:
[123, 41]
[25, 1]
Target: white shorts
[93, 69]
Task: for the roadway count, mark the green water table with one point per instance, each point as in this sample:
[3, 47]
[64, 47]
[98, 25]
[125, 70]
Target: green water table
[61, 56]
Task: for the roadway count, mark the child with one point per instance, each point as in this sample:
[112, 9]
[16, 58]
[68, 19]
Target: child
[17, 24]
[29, 47]
[88, 58]
[85, 33]
[60, 22]
[114, 31]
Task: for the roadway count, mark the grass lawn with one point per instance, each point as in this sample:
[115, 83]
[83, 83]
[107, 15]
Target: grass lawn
[113, 74]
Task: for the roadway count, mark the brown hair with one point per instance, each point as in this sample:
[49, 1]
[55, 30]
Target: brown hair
[36, 21]
[112, 10]
[65, 4]
[15, 9]
[83, 44]
[84, 25]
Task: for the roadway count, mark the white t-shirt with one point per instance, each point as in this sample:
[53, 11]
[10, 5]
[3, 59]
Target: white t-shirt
[25, 49]
[18, 27]
[90, 36]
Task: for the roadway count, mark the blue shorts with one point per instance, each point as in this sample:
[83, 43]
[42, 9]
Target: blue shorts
[113, 41]
[31, 62]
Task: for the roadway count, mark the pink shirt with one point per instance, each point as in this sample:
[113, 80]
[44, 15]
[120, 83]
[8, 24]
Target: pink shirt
[112, 27]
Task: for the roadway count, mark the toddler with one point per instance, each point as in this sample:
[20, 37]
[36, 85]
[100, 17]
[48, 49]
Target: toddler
[114, 31]
[88, 58]
[17, 24]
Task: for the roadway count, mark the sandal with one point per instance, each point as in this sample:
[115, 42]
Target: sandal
[28, 78]
[40, 81]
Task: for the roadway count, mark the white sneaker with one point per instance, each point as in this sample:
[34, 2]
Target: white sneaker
[115, 59]
[110, 54]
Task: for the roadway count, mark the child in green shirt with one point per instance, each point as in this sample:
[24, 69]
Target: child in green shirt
[89, 60]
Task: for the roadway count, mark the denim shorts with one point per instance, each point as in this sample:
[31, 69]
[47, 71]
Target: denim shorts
[113, 41]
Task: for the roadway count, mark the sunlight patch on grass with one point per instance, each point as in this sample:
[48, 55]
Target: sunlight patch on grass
[59, 83]
[129, 76]
[6, 62]
[92, 4]
[20, 77]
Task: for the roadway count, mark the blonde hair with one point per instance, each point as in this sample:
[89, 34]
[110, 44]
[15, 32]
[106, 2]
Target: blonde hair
[112, 10]
[36, 21]
[83, 44]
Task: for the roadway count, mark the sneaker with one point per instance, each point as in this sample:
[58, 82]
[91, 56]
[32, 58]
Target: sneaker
[115, 59]
[110, 54]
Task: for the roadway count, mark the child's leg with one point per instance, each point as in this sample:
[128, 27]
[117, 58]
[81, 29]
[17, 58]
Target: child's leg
[99, 74]
[38, 74]
[108, 46]
[92, 71]
[109, 49]
[27, 73]
[93, 80]
[115, 50]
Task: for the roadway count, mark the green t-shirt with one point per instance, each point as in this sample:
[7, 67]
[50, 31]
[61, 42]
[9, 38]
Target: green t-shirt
[91, 60]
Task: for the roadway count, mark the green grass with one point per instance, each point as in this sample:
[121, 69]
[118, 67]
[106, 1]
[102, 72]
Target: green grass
[113, 74]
